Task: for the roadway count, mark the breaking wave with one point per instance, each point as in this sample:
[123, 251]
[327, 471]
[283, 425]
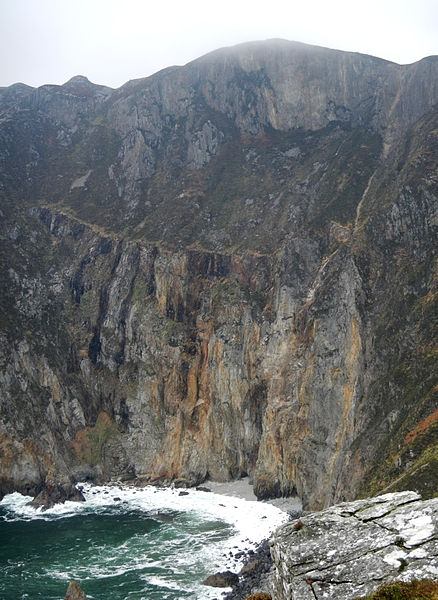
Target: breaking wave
[125, 542]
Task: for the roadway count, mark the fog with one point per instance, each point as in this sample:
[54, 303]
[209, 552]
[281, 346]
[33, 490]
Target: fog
[49, 41]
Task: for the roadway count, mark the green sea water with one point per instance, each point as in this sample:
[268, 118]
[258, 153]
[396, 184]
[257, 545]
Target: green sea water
[125, 544]
[116, 556]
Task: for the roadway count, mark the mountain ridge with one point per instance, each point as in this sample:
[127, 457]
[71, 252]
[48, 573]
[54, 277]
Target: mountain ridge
[232, 49]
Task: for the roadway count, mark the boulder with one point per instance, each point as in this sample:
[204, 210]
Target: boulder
[56, 491]
[75, 592]
[225, 579]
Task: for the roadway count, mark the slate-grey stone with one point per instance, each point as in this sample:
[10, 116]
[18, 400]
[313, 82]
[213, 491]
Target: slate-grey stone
[349, 550]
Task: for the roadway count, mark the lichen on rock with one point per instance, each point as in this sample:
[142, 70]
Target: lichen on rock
[351, 549]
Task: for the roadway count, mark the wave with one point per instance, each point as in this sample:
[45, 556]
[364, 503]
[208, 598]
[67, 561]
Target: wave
[197, 532]
[253, 520]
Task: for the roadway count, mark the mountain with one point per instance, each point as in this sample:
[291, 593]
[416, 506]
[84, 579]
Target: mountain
[225, 269]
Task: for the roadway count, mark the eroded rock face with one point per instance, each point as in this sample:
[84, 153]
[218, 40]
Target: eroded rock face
[228, 268]
[351, 549]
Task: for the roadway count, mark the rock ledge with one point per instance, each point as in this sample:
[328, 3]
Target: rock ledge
[350, 549]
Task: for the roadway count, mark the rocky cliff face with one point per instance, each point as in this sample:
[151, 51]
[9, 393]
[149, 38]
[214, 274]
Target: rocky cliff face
[227, 268]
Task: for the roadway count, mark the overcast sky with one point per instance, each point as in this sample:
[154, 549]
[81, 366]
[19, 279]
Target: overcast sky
[49, 41]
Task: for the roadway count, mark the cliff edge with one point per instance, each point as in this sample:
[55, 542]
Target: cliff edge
[349, 550]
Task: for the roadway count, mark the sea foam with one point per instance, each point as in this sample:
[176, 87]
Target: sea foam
[215, 528]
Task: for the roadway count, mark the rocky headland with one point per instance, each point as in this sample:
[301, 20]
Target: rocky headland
[349, 550]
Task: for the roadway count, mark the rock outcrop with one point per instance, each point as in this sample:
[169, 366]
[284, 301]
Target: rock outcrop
[56, 490]
[225, 269]
[349, 550]
[75, 592]
[225, 579]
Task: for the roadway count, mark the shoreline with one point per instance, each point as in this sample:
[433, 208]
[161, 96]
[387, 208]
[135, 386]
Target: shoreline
[242, 488]
[253, 566]
[247, 556]
[254, 575]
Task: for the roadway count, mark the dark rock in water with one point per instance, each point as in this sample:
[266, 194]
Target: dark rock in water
[254, 575]
[225, 579]
[56, 495]
[183, 494]
[75, 592]
[56, 492]
[201, 488]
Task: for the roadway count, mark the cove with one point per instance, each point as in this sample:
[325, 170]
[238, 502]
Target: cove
[126, 542]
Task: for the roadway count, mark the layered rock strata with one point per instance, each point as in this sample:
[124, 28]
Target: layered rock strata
[349, 550]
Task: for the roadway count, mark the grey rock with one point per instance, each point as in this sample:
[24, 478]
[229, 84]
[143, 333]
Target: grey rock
[351, 549]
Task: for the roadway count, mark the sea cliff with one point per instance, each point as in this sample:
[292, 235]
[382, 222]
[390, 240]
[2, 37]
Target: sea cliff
[225, 269]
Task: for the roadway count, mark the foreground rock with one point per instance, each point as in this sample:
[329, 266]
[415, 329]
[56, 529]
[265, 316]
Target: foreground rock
[225, 579]
[56, 492]
[75, 592]
[349, 550]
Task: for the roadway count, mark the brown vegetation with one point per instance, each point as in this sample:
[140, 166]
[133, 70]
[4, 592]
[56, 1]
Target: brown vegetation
[400, 590]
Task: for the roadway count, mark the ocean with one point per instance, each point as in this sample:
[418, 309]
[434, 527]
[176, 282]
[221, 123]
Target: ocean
[128, 543]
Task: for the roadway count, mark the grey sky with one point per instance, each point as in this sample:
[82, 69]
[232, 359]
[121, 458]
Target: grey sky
[49, 41]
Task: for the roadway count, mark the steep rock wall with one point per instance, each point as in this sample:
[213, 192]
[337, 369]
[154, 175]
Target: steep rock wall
[200, 359]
